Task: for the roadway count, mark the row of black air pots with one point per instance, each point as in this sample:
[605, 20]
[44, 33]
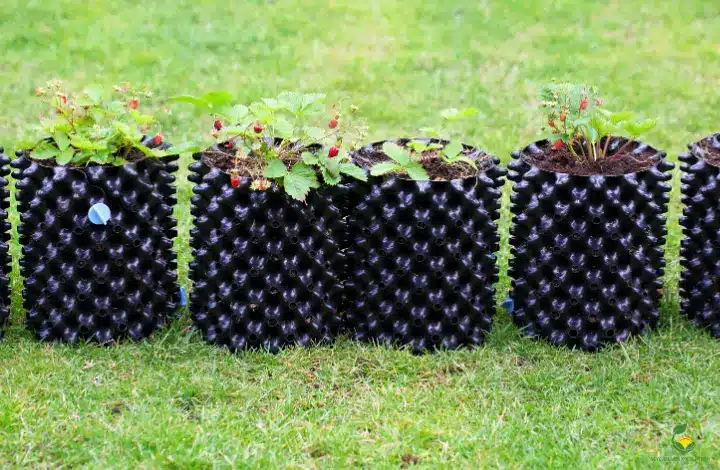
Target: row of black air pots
[391, 260]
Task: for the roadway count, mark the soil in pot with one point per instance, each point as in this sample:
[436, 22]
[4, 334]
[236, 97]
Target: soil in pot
[587, 249]
[266, 268]
[87, 281]
[5, 262]
[700, 249]
[421, 254]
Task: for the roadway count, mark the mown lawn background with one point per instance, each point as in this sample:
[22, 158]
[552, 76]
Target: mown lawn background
[175, 401]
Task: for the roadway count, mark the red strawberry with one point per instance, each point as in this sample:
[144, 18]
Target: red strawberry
[157, 140]
[333, 123]
[563, 115]
[333, 152]
[557, 145]
[551, 123]
[235, 181]
[133, 103]
[258, 127]
[64, 99]
[230, 144]
[218, 125]
[584, 104]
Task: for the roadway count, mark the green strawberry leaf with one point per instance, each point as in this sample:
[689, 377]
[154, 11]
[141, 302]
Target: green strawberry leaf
[353, 170]
[453, 149]
[275, 169]
[61, 140]
[300, 180]
[416, 172]
[193, 100]
[65, 157]
[384, 168]
[45, 151]
[679, 429]
[310, 158]
[217, 99]
[329, 178]
[396, 153]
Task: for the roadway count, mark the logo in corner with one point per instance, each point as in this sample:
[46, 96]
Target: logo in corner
[681, 441]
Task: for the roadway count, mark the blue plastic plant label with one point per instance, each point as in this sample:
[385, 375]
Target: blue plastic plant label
[99, 214]
[183, 297]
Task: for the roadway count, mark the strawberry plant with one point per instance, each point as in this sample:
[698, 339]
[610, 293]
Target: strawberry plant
[576, 119]
[409, 160]
[295, 140]
[95, 126]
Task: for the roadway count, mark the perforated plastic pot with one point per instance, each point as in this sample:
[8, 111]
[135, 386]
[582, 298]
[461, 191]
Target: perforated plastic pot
[587, 252]
[700, 249]
[5, 263]
[97, 282]
[421, 259]
[266, 268]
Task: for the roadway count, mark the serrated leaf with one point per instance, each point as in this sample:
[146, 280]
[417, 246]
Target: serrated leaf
[193, 100]
[635, 128]
[417, 146]
[353, 170]
[315, 134]
[384, 168]
[217, 99]
[65, 157]
[61, 140]
[300, 180]
[45, 151]
[83, 143]
[310, 158]
[396, 153]
[415, 171]
[329, 178]
[453, 149]
[282, 128]
[275, 169]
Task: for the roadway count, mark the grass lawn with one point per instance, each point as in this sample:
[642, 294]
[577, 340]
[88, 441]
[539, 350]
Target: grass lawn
[175, 401]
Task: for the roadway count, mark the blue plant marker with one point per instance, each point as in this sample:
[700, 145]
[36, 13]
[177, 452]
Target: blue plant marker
[99, 214]
[183, 297]
[509, 305]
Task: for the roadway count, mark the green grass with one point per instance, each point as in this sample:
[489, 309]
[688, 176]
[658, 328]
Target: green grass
[174, 401]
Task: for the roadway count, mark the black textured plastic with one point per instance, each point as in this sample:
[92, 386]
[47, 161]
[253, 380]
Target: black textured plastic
[97, 282]
[4, 239]
[700, 249]
[421, 260]
[266, 268]
[587, 252]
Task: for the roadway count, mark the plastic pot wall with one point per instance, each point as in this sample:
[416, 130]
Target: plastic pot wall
[587, 252]
[700, 249]
[266, 268]
[5, 263]
[97, 282]
[421, 260]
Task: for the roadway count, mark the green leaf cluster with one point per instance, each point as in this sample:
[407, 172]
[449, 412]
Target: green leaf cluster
[575, 115]
[292, 147]
[94, 126]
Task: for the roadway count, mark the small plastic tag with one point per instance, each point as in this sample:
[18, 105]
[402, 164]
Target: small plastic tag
[99, 214]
